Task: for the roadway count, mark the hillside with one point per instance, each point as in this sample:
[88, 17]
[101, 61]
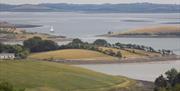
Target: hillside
[159, 29]
[133, 53]
[94, 8]
[168, 31]
[72, 54]
[50, 76]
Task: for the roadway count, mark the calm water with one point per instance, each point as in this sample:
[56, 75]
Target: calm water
[140, 71]
[86, 26]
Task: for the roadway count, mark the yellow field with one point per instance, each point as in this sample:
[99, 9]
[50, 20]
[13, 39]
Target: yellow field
[125, 54]
[157, 29]
[141, 52]
[75, 54]
[137, 54]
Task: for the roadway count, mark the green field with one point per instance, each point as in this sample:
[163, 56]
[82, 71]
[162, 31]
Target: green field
[50, 76]
[76, 54]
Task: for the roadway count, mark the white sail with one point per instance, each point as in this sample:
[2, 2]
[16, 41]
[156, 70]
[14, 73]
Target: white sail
[52, 29]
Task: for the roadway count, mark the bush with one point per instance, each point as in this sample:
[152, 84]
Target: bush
[169, 83]
[100, 42]
[5, 86]
[36, 44]
[19, 50]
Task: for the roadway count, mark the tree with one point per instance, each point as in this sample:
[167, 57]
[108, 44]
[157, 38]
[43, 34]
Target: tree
[19, 50]
[77, 41]
[177, 79]
[172, 83]
[171, 75]
[161, 82]
[36, 44]
[100, 42]
[119, 54]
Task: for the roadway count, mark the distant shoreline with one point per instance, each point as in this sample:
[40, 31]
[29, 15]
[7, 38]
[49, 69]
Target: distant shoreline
[139, 36]
[164, 31]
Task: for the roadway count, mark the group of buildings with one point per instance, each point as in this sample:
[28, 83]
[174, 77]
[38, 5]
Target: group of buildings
[7, 56]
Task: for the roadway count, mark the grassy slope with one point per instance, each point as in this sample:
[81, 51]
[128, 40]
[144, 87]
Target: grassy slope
[49, 76]
[144, 53]
[124, 53]
[137, 54]
[159, 29]
[72, 54]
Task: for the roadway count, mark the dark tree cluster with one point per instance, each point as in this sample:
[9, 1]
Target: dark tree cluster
[171, 82]
[78, 44]
[36, 44]
[142, 47]
[165, 52]
[134, 46]
[19, 50]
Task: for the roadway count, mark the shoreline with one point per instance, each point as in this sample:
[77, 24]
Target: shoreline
[138, 36]
[120, 61]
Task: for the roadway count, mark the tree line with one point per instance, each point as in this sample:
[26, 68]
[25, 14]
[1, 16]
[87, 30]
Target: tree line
[37, 44]
[169, 82]
[19, 50]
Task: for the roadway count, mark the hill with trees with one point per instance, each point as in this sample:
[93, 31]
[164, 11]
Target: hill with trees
[165, 31]
[93, 8]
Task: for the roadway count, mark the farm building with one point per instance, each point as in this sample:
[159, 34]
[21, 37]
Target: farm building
[7, 55]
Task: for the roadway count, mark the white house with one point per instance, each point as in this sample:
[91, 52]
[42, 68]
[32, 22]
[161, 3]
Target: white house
[7, 55]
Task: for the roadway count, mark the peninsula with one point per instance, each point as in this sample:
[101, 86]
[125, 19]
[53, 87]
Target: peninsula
[15, 32]
[169, 31]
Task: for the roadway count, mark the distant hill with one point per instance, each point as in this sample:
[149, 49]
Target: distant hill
[167, 31]
[93, 8]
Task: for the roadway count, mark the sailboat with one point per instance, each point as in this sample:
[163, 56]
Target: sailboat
[52, 29]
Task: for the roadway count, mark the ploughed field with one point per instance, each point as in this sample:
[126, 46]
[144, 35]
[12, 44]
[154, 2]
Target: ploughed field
[51, 76]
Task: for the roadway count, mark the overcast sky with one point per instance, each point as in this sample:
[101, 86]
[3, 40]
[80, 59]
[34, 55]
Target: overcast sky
[88, 1]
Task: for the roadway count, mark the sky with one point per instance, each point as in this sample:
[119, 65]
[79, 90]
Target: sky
[88, 1]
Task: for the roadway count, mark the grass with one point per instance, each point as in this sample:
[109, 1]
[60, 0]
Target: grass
[128, 53]
[144, 53]
[125, 54]
[157, 29]
[50, 76]
[77, 54]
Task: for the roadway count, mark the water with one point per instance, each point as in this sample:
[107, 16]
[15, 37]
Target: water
[141, 71]
[86, 26]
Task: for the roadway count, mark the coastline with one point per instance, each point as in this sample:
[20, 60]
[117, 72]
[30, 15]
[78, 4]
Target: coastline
[120, 61]
[161, 31]
[139, 36]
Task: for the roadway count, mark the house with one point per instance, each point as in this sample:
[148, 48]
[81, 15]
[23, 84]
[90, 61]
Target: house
[7, 56]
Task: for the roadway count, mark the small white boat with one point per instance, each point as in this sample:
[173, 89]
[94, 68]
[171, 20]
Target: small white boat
[51, 29]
